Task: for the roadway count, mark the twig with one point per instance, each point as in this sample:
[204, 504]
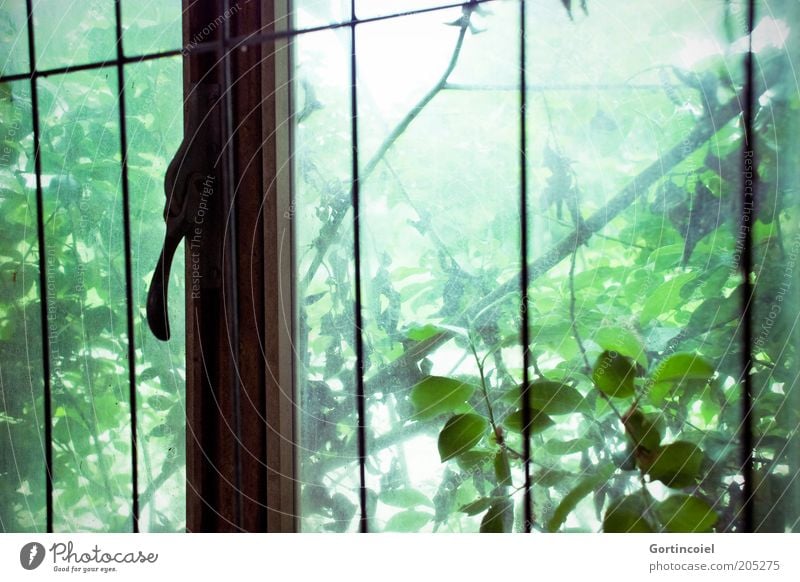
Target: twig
[598, 234]
[325, 237]
[480, 363]
[574, 324]
[167, 470]
[649, 501]
[535, 363]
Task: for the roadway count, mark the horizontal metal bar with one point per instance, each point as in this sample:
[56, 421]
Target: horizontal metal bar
[232, 43]
[36, 74]
[544, 87]
[267, 37]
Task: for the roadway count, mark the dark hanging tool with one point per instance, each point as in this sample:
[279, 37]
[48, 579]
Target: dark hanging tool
[184, 184]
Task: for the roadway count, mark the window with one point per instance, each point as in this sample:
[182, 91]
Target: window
[632, 173]
[80, 236]
[586, 179]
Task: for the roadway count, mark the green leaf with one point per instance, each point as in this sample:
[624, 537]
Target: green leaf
[643, 430]
[679, 367]
[623, 341]
[657, 393]
[147, 374]
[408, 521]
[342, 511]
[708, 410]
[548, 477]
[460, 434]
[539, 421]
[405, 498]
[567, 447]
[555, 397]
[665, 298]
[502, 468]
[614, 374]
[686, 514]
[437, 395]
[715, 311]
[162, 430]
[499, 518]
[421, 333]
[455, 330]
[586, 486]
[626, 515]
[312, 299]
[160, 402]
[666, 257]
[479, 505]
[473, 460]
[676, 465]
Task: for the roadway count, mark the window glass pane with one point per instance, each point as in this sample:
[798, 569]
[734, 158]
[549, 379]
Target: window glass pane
[313, 13]
[325, 356]
[440, 232]
[155, 129]
[151, 26]
[13, 38]
[74, 32]
[372, 8]
[635, 151]
[640, 138]
[22, 470]
[86, 283]
[776, 254]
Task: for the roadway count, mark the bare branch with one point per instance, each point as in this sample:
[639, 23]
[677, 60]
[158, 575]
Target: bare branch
[325, 237]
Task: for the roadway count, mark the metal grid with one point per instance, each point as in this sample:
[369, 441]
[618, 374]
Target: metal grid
[224, 47]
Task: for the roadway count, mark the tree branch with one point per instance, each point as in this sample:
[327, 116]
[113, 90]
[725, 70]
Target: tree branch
[325, 238]
[708, 126]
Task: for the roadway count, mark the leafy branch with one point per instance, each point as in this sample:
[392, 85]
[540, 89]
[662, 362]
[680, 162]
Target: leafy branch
[703, 131]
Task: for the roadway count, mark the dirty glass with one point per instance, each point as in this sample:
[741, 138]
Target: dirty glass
[637, 176]
[84, 251]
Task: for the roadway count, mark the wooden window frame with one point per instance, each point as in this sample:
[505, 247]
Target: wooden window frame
[240, 388]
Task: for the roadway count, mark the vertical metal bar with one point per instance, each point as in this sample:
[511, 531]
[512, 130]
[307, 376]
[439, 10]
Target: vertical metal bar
[356, 202]
[231, 296]
[523, 273]
[43, 294]
[126, 236]
[748, 205]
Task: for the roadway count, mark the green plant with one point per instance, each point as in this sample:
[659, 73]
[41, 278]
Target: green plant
[86, 309]
[483, 434]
